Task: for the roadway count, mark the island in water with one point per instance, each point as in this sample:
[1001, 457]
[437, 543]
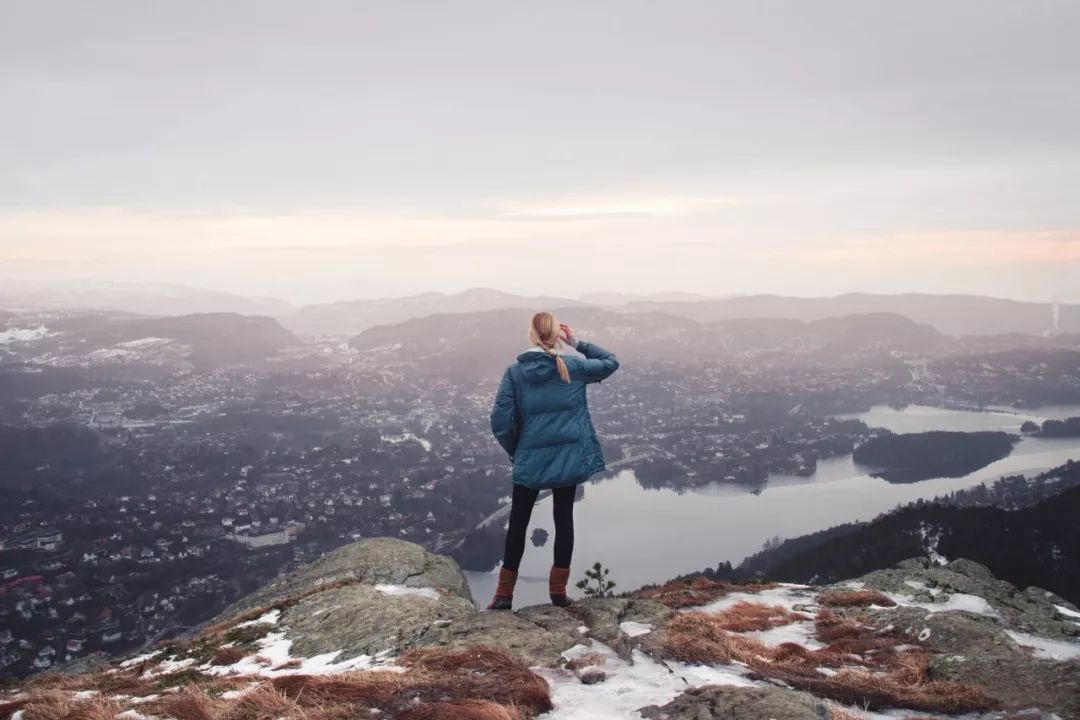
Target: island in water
[911, 457]
[1068, 428]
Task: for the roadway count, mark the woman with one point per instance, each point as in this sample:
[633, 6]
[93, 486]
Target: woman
[541, 418]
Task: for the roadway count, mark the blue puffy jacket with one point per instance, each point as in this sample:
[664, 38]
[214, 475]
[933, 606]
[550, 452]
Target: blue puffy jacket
[544, 423]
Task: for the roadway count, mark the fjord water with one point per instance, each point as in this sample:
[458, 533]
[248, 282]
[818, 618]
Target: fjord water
[651, 535]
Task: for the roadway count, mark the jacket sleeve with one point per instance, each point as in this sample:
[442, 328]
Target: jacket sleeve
[599, 364]
[504, 415]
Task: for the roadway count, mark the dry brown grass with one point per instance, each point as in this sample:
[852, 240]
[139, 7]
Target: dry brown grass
[696, 591]
[745, 616]
[104, 682]
[477, 683]
[872, 674]
[228, 655]
[837, 712]
[190, 703]
[854, 598]
[460, 710]
[290, 664]
[63, 705]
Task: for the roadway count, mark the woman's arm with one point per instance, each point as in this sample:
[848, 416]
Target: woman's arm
[599, 364]
[504, 415]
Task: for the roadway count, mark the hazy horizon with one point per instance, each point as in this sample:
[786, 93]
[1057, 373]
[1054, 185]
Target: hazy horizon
[350, 150]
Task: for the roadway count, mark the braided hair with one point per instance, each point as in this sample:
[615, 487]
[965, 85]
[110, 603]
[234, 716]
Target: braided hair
[544, 333]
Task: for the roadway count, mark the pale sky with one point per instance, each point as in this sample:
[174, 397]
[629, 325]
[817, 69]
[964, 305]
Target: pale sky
[320, 150]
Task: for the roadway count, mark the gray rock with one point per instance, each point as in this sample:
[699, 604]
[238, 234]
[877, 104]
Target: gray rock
[722, 702]
[376, 560]
[336, 606]
[358, 619]
[1028, 611]
[591, 675]
[536, 635]
[951, 633]
[1018, 682]
[975, 648]
[603, 616]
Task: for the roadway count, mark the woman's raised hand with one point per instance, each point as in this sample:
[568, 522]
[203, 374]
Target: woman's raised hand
[567, 334]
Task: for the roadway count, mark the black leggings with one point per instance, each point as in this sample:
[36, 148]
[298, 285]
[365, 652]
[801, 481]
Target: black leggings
[521, 510]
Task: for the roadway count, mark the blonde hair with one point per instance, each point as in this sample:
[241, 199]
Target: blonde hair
[544, 332]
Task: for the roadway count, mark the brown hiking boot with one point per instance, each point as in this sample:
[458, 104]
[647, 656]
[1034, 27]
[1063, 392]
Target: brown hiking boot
[557, 586]
[504, 593]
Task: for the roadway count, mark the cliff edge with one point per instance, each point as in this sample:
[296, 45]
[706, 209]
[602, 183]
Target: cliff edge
[382, 628]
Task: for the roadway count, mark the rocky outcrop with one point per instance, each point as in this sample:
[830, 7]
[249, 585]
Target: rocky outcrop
[920, 638]
[370, 562]
[986, 646]
[721, 702]
[1030, 610]
[387, 596]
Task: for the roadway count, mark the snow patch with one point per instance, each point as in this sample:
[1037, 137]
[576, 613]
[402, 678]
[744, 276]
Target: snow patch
[634, 629]
[269, 618]
[426, 592]
[1045, 648]
[930, 540]
[956, 601]
[169, 666]
[140, 659]
[800, 633]
[918, 585]
[628, 687]
[1067, 612]
[273, 655]
[787, 596]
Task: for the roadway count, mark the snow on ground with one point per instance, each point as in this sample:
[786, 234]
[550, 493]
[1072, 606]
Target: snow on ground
[633, 629]
[273, 655]
[956, 601]
[786, 596]
[269, 618]
[922, 586]
[140, 659]
[429, 593]
[628, 687]
[1046, 648]
[930, 540]
[169, 666]
[1067, 612]
[801, 633]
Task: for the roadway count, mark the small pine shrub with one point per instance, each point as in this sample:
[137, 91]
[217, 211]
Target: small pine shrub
[596, 583]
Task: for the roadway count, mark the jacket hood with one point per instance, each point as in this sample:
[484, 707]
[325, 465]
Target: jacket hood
[536, 366]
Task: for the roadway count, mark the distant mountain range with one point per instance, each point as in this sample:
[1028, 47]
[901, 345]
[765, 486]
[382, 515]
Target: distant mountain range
[354, 316]
[138, 298]
[474, 345]
[950, 314]
[956, 315]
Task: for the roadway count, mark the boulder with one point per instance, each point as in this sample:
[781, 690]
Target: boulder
[1031, 610]
[604, 617]
[722, 702]
[385, 596]
[377, 560]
